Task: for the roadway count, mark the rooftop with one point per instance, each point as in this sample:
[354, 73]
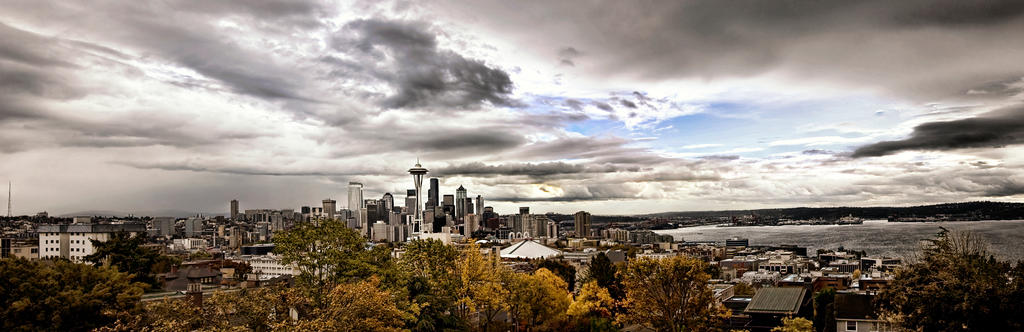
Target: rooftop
[777, 300]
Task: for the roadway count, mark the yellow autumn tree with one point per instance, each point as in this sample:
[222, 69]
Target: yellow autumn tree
[593, 309]
[481, 294]
[795, 324]
[593, 301]
[670, 294]
[539, 300]
[356, 306]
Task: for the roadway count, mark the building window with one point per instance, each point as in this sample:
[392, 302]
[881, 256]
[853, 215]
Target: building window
[851, 326]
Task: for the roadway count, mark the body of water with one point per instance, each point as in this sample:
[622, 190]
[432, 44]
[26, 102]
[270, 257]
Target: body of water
[877, 237]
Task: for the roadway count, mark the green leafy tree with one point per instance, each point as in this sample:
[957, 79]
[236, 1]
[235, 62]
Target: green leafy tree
[824, 310]
[795, 324]
[956, 285]
[63, 296]
[603, 271]
[670, 294]
[431, 283]
[326, 253]
[127, 254]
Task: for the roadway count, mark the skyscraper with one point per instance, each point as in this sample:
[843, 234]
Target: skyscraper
[355, 196]
[388, 201]
[582, 223]
[432, 193]
[479, 206]
[330, 208]
[460, 203]
[234, 209]
[410, 201]
[417, 179]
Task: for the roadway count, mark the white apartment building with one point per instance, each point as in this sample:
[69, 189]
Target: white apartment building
[73, 241]
[269, 266]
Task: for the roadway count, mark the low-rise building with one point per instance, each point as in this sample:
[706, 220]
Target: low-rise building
[74, 241]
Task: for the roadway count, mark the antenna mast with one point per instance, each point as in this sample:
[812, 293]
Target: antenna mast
[8, 199]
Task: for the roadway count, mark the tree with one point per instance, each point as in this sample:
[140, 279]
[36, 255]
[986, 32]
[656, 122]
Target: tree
[259, 309]
[956, 285]
[670, 294]
[744, 289]
[326, 253]
[63, 296]
[127, 254]
[431, 283]
[592, 310]
[357, 306]
[480, 292]
[541, 299]
[796, 324]
[562, 269]
[824, 310]
[604, 272]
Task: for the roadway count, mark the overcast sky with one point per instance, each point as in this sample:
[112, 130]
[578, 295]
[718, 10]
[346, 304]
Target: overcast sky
[614, 107]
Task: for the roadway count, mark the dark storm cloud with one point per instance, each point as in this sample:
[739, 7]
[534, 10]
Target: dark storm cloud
[965, 182]
[191, 41]
[237, 170]
[465, 141]
[422, 74]
[529, 169]
[953, 13]
[991, 130]
[31, 66]
[567, 54]
[595, 192]
[574, 104]
[926, 50]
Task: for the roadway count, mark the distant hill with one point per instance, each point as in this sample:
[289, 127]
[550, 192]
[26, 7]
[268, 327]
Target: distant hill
[984, 210]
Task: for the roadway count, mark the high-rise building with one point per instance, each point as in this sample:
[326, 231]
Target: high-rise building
[432, 193]
[234, 209]
[479, 206]
[524, 210]
[330, 208]
[460, 203]
[448, 205]
[417, 173]
[164, 226]
[582, 223]
[193, 226]
[373, 212]
[410, 201]
[355, 196]
[468, 207]
[388, 202]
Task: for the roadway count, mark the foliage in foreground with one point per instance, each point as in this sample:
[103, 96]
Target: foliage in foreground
[435, 287]
[956, 285]
[63, 296]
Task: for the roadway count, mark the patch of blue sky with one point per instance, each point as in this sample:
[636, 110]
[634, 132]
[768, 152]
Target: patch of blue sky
[761, 129]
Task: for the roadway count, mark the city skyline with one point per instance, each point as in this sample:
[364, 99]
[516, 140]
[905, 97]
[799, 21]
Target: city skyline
[616, 108]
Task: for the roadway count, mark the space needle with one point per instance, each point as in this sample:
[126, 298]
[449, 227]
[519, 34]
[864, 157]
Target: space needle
[417, 179]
